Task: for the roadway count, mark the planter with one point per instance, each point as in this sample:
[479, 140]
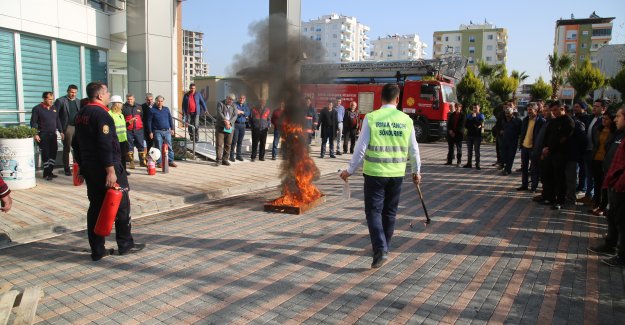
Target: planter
[17, 163]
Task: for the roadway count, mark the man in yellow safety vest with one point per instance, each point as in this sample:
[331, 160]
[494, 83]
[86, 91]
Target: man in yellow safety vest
[387, 141]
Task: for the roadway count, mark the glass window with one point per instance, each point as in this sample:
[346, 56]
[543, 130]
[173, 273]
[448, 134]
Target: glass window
[95, 65]
[472, 39]
[68, 63]
[585, 33]
[471, 49]
[489, 59]
[8, 98]
[457, 38]
[571, 47]
[490, 36]
[36, 70]
[449, 94]
[429, 91]
[446, 38]
[489, 47]
[602, 32]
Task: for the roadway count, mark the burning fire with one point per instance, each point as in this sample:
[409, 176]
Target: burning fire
[299, 170]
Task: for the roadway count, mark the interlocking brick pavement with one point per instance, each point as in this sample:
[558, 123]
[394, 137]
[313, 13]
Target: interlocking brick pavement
[490, 255]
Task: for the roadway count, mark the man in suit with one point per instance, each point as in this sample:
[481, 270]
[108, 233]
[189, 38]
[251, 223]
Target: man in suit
[68, 108]
[530, 128]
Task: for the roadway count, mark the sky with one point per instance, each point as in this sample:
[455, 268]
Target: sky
[530, 23]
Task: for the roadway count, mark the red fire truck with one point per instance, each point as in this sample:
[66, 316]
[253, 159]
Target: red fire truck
[426, 100]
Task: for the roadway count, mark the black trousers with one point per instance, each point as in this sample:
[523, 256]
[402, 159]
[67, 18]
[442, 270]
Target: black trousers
[327, 134]
[96, 191]
[259, 137]
[616, 222]
[48, 147]
[554, 178]
[600, 195]
[381, 201]
[451, 144]
[473, 143]
[123, 146]
[349, 135]
[194, 122]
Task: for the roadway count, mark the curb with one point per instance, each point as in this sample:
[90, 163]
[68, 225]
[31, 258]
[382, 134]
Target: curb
[42, 231]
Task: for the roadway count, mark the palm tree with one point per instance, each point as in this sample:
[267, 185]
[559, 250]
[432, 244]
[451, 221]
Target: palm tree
[520, 77]
[559, 65]
[487, 72]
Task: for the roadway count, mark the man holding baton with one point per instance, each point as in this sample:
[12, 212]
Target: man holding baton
[387, 140]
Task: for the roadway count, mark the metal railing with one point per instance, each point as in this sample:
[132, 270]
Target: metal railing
[205, 130]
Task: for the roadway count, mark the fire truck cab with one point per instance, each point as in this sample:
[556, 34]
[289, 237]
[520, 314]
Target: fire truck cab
[425, 100]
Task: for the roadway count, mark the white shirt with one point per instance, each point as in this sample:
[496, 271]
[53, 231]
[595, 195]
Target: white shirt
[363, 143]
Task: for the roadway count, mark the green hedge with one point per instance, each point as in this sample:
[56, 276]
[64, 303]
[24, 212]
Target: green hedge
[17, 132]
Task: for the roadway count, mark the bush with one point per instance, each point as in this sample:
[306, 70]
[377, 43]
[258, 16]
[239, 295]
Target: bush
[17, 132]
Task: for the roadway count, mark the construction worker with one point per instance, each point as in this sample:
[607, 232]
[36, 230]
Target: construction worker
[386, 141]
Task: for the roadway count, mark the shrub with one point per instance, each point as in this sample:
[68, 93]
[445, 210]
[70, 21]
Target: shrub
[17, 132]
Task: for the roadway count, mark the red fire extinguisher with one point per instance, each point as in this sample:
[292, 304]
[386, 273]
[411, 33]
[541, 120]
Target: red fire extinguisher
[151, 166]
[165, 158]
[75, 175]
[108, 212]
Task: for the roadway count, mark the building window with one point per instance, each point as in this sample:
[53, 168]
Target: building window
[389, 55]
[305, 29]
[390, 47]
[471, 61]
[489, 47]
[446, 38]
[334, 36]
[489, 59]
[471, 49]
[472, 39]
[571, 35]
[571, 48]
[490, 36]
[583, 45]
[582, 57]
[457, 49]
[602, 32]
[585, 33]
[458, 38]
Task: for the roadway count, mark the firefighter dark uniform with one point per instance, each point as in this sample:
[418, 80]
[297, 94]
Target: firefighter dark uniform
[96, 148]
[386, 141]
[46, 120]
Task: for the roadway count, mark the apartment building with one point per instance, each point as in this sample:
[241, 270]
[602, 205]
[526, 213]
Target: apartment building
[582, 38]
[398, 47]
[478, 42]
[343, 38]
[193, 57]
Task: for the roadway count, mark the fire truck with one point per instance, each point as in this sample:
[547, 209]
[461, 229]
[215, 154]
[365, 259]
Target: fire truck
[427, 88]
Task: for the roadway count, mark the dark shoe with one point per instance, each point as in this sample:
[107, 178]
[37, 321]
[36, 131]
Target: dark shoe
[614, 261]
[505, 173]
[518, 170]
[127, 172]
[379, 258]
[338, 153]
[240, 158]
[521, 188]
[538, 198]
[135, 249]
[217, 164]
[448, 163]
[107, 252]
[173, 164]
[321, 156]
[54, 176]
[478, 167]
[602, 250]
[261, 159]
[467, 166]
[159, 166]
[68, 172]
[332, 156]
[48, 178]
[253, 159]
[225, 163]
[232, 159]
[273, 158]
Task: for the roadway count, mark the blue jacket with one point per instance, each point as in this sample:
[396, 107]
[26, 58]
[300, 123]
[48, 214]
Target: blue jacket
[511, 131]
[242, 118]
[200, 104]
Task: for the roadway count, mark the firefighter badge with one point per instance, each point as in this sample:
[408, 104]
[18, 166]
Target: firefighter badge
[105, 129]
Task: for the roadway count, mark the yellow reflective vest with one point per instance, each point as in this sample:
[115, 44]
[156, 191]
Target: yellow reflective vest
[387, 152]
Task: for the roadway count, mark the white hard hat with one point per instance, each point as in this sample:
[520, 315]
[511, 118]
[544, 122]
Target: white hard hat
[154, 153]
[116, 99]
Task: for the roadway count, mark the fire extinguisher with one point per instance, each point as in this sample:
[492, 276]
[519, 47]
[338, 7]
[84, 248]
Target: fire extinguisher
[108, 211]
[151, 166]
[165, 158]
[75, 175]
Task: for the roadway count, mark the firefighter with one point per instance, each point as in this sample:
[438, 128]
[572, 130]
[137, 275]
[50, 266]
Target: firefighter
[99, 156]
[386, 141]
[45, 119]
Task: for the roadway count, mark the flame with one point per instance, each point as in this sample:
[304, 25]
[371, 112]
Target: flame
[297, 182]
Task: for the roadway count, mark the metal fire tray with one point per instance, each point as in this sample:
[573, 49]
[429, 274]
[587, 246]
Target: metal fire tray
[294, 210]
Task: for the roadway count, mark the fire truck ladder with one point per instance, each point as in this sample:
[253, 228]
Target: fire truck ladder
[451, 67]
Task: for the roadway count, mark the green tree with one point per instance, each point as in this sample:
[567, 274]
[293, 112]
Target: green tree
[585, 79]
[559, 67]
[487, 72]
[618, 82]
[471, 90]
[504, 86]
[540, 90]
[520, 77]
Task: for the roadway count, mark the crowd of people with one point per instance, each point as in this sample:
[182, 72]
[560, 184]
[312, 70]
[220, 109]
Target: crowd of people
[576, 155]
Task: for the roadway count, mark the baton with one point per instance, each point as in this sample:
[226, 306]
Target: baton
[427, 216]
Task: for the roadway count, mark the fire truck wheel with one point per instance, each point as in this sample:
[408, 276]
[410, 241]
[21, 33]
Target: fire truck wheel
[421, 131]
